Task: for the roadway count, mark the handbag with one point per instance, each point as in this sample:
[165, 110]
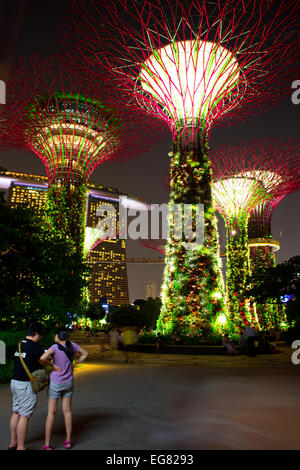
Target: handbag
[39, 379]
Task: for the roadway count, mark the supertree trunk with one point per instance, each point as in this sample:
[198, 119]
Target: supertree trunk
[192, 294]
[270, 314]
[262, 257]
[238, 269]
[66, 211]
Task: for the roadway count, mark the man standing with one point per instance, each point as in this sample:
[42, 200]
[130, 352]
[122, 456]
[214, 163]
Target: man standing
[250, 334]
[24, 398]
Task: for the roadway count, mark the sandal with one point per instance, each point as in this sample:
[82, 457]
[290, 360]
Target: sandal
[47, 448]
[12, 448]
[68, 444]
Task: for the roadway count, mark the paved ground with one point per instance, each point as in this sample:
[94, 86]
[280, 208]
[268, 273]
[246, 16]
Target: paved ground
[176, 402]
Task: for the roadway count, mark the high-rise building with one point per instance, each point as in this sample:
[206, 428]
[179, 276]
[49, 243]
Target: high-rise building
[108, 259]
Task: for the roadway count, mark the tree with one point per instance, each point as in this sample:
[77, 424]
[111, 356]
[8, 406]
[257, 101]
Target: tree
[126, 315]
[143, 314]
[150, 310]
[277, 282]
[42, 274]
[95, 311]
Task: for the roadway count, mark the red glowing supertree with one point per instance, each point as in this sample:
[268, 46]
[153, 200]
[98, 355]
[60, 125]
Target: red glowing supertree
[192, 63]
[73, 124]
[157, 245]
[248, 179]
[285, 157]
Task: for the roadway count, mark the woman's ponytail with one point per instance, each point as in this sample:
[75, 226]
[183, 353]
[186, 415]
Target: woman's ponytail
[63, 335]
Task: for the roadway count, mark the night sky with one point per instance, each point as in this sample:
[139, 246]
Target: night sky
[32, 26]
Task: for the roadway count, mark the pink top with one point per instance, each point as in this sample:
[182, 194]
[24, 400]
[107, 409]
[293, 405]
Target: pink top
[61, 360]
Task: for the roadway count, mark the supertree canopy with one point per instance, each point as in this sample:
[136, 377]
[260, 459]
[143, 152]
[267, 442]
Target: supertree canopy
[247, 179]
[72, 125]
[285, 157]
[93, 236]
[192, 63]
[262, 245]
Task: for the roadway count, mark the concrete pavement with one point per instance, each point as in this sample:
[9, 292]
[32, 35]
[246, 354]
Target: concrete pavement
[167, 403]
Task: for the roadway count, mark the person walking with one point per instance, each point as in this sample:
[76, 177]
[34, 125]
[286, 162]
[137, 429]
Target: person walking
[129, 340]
[228, 345]
[24, 398]
[113, 339]
[61, 383]
[250, 334]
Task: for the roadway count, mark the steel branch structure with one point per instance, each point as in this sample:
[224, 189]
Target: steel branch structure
[192, 63]
[285, 158]
[249, 179]
[73, 126]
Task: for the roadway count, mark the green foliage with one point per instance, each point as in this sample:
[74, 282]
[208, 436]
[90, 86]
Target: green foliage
[149, 311]
[42, 277]
[274, 282]
[125, 315]
[293, 312]
[238, 266]
[11, 340]
[65, 213]
[95, 311]
[143, 314]
[6, 371]
[269, 284]
[192, 277]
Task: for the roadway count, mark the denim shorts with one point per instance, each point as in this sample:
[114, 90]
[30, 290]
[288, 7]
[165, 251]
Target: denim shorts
[55, 391]
[24, 398]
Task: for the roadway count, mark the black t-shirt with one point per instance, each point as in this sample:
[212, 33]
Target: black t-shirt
[31, 352]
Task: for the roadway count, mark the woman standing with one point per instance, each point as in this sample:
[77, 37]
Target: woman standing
[61, 383]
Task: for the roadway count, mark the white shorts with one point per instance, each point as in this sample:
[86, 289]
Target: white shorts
[24, 398]
[55, 391]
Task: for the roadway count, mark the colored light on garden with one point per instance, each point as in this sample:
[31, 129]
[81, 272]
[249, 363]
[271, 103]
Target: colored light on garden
[189, 78]
[249, 180]
[73, 124]
[193, 64]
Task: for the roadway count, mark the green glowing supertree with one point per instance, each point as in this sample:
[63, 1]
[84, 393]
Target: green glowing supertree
[193, 64]
[73, 124]
[285, 158]
[245, 177]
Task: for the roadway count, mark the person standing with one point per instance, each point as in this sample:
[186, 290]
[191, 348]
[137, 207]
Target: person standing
[158, 342]
[230, 349]
[250, 335]
[24, 398]
[113, 338]
[61, 383]
[129, 339]
[242, 343]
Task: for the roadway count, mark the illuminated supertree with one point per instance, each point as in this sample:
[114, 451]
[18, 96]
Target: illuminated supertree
[285, 157]
[93, 236]
[192, 63]
[286, 163]
[247, 178]
[73, 125]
